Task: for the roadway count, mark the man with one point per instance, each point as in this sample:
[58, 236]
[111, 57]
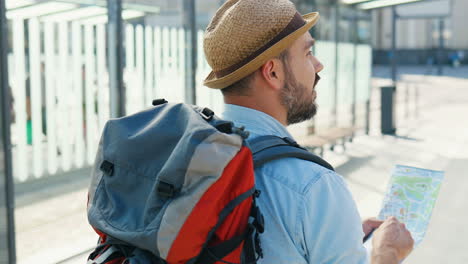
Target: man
[260, 55]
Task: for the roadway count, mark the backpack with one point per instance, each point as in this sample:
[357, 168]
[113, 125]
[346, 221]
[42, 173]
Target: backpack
[175, 184]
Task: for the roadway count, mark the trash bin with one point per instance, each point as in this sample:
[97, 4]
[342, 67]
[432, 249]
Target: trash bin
[387, 99]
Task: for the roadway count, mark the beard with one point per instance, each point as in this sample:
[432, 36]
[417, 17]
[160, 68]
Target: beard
[298, 100]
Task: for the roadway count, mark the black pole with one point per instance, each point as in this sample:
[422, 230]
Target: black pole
[115, 58]
[394, 50]
[191, 51]
[440, 69]
[8, 191]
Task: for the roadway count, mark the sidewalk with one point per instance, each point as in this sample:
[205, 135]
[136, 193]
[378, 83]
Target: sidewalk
[437, 140]
[52, 227]
[50, 219]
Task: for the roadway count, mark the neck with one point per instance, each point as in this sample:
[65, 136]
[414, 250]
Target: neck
[270, 107]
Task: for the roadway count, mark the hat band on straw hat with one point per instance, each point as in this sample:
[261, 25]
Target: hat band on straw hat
[296, 22]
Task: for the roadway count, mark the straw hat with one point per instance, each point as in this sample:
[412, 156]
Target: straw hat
[244, 34]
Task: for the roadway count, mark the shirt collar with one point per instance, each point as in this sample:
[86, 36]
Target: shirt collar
[254, 121]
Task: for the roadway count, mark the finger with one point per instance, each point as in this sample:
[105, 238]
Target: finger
[407, 232]
[373, 220]
[373, 223]
[393, 219]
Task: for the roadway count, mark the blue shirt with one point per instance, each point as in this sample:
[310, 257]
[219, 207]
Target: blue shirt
[310, 215]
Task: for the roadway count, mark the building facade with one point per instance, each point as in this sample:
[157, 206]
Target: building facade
[418, 38]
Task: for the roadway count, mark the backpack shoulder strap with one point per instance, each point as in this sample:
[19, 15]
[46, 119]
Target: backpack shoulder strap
[268, 148]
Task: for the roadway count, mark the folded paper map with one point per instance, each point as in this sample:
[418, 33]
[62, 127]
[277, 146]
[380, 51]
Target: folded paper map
[410, 197]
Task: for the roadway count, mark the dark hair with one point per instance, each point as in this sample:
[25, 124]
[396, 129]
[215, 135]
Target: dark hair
[242, 87]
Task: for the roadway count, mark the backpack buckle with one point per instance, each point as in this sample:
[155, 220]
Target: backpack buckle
[225, 127]
[107, 167]
[207, 114]
[241, 132]
[166, 189]
[157, 102]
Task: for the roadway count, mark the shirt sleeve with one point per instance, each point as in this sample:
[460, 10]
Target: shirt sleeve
[331, 225]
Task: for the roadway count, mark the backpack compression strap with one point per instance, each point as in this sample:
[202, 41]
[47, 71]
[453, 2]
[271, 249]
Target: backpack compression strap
[268, 148]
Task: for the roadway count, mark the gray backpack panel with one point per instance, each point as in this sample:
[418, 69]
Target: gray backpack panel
[167, 143]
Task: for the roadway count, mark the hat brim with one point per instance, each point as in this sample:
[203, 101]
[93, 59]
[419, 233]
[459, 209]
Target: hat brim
[219, 83]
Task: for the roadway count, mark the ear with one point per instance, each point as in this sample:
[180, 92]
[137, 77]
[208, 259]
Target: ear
[272, 73]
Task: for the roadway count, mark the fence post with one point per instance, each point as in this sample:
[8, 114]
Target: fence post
[6, 183]
[191, 51]
[115, 58]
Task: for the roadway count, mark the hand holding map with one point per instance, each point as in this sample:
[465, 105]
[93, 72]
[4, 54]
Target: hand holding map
[410, 197]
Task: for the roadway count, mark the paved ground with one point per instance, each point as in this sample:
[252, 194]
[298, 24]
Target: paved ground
[51, 222]
[437, 139]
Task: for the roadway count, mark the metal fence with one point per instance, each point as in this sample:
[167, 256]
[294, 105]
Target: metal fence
[61, 95]
[68, 100]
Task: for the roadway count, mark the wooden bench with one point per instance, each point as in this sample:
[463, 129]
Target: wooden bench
[313, 142]
[338, 135]
[330, 137]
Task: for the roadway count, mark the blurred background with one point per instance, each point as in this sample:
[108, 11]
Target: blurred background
[394, 90]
